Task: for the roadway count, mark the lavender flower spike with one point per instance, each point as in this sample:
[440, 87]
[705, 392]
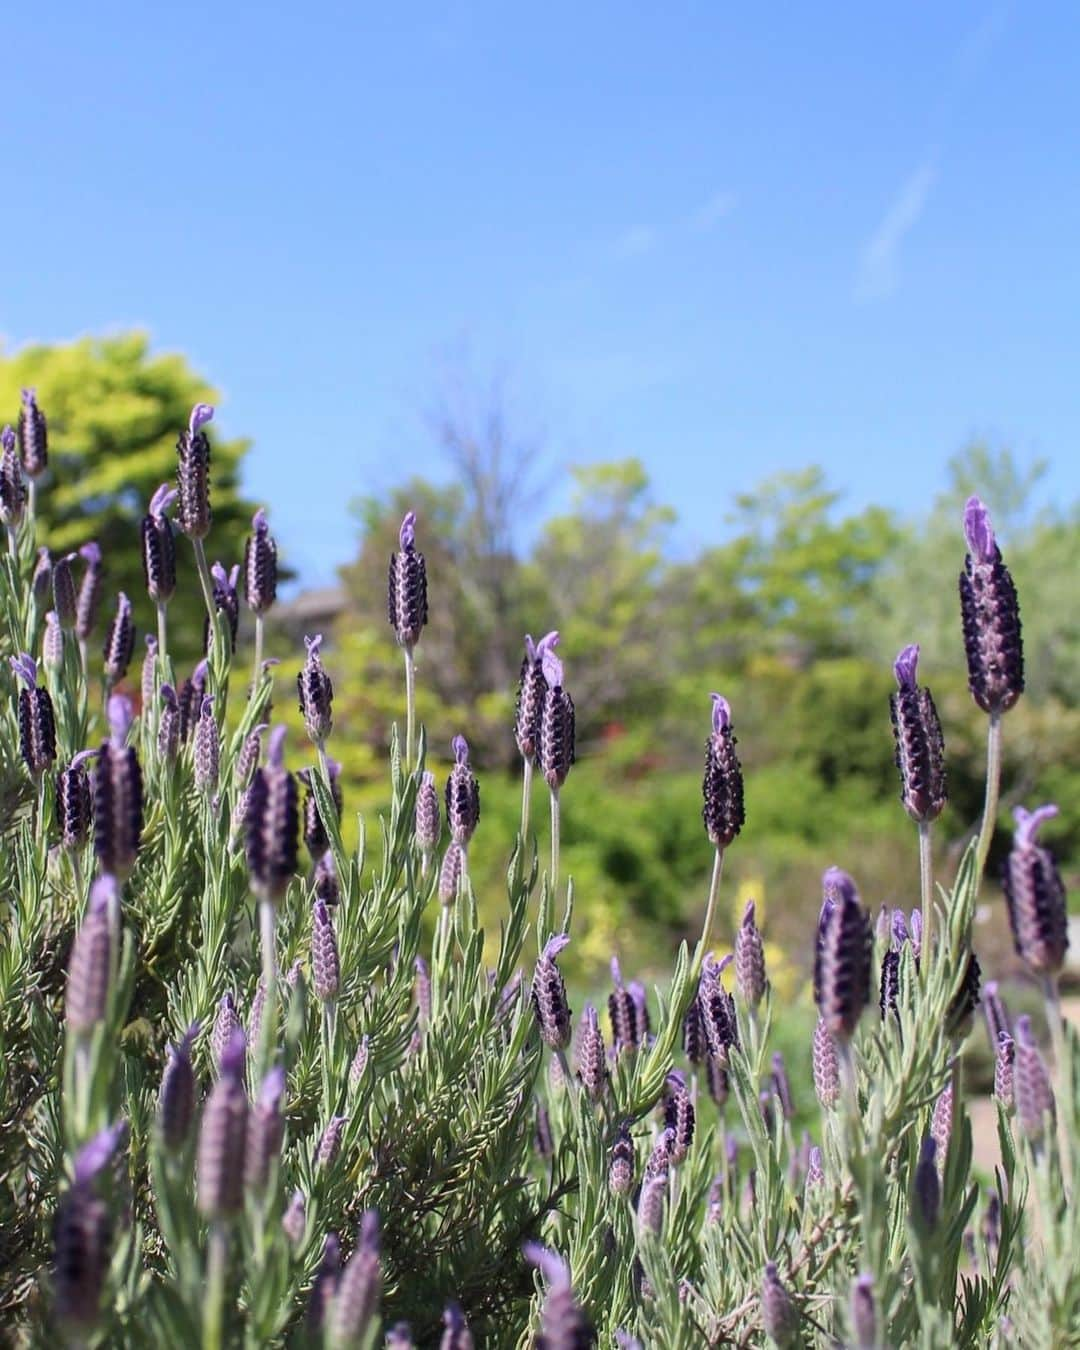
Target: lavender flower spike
[722, 787]
[779, 1312]
[193, 474]
[37, 722]
[1032, 1092]
[12, 487]
[176, 1099]
[842, 959]
[563, 1324]
[359, 1290]
[1035, 895]
[260, 565]
[407, 602]
[549, 996]
[118, 795]
[223, 1136]
[532, 686]
[920, 745]
[88, 601]
[159, 547]
[749, 959]
[266, 1130]
[557, 750]
[87, 991]
[325, 967]
[991, 617]
[273, 823]
[316, 693]
[33, 436]
[462, 795]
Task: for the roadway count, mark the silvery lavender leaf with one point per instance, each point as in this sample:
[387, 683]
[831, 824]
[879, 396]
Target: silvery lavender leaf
[779, 1312]
[563, 1324]
[407, 603]
[159, 547]
[273, 823]
[557, 752]
[530, 695]
[359, 1291]
[260, 565]
[193, 474]
[1035, 895]
[842, 960]
[87, 990]
[462, 795]
[33, 436]
[176, 1098]
[920, 746]
[722, 787]
[88, 601]
[990, 611]
[749, 959]
[549, 996]
[222, 1147]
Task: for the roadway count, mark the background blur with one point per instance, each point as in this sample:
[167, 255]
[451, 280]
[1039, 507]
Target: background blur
[684, 333]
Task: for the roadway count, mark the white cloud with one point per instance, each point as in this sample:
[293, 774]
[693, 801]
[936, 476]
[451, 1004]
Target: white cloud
[712, 212]
[879, 262]
[636, 241]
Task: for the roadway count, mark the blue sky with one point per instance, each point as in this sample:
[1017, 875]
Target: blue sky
[729, 239]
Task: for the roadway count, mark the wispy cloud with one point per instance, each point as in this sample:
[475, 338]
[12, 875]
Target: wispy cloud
[711, 213]
[636, 241]
[879, 262]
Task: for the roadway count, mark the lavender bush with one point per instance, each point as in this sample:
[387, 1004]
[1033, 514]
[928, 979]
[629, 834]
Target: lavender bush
[251, 1101]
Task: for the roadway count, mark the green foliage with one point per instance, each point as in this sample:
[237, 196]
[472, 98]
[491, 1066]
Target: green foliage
[114, 410]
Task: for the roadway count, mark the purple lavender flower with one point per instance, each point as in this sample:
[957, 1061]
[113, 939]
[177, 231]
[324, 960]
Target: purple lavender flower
[12, 487]
[563, 1324]
[399, 1337]
[41, 580]
[864, 1318]
[1035, 894]
[316, 693]
[33, 436]
[190, 697]
[591, 1057]
[207, 748]
[941, 1124]
[168, 742]
[717, 1079]
[87, 994]
[316, 839]
[456, 1335]
[407, 604]
[325, 966]
[679, 1115]
[359, 1290]
[52, 644]
[247, 760]
[83, 1233]
[557, 752]
[779, 1311]
[119, 641]
[995, 1012]
[781, 1086]
[826, 1065]
[65, 602]
[622, 1012]
[920, 746]
[717, 1009]
[462, 795]
[118, 797]
[427, 824]
[226, 1025]
[176, 1098]
[1033, 1094]
[990, 611]
[359, 1062]
[223, 1136]
[815, 1167]
[722, 787]
[88, 601]
[74, 803]
[695, 1045]
[927, 1184]
[842, 962]
[530, 695]
[621, 1163]
[260, 565]
[450, 873]
[273, 822]
[159, 547]
[325, 1284]
[549, 996]
[266, 1131]
[961, 1011]
[37, 722]
[1004, 1071]
[889, 995]
[543, 1140]
[294, 1220]
[226, 603]
[330, 1143]
[749, 959]
[193, 474]
[422, 990]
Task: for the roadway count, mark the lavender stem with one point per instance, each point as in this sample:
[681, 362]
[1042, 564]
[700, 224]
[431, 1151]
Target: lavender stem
[410, 706]
[926, 883]
[207, 589]
[258, 651]
[31, 499]
[269, 975]
[13, 547]
[526, 799]
[993, 782]
[554, 840]
[710, 908]
[216, 1266]
[162, 642]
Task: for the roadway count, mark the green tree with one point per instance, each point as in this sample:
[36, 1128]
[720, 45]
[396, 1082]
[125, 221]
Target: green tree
[114, 410]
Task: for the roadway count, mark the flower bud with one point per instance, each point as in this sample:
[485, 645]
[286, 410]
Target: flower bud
[87, 994]
[557, 751]
[1033, 1094]
[223, 1136]
[88, 601]
[260, 566]
[591, 1059]
[549, 996]
[532, 688]
[920, 746]
[749, 959]
[462, 795]
[325, 966]
[316, 693]
[1035, 894]
[176, 1099]
[407, 606]
[359, 1291]
[272, 825]
[193, 474]
[722, 787]
[779, 1312]
[842, 962]
[33, 436]
[159, 547]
